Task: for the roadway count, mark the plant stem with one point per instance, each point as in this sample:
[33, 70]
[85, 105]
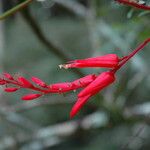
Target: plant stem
[15, 9]
[140, 47]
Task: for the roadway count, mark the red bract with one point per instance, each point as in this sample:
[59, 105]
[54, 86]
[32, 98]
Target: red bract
[106, 61]
[11, 89]
[24, 82]
[39, 82]
[31, 96]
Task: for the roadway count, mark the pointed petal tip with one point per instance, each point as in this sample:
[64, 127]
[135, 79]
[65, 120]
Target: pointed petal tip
[65, 66]
[61, 66]
[72, 114]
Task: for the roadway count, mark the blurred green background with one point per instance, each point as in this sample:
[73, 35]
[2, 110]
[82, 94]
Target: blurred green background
[35, 41]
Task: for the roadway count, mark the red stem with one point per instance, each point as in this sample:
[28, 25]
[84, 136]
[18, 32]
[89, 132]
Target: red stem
[134, 4]
[140, 47]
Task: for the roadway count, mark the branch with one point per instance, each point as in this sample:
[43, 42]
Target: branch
[15, 9]
[40, 35]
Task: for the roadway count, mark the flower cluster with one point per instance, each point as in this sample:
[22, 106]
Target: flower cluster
[90, 84]
[140, 4]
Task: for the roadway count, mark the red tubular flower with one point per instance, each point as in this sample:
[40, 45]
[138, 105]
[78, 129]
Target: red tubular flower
[106, 61]
[60, 87]
[31, 96]
[78, 105]
[102, 81]
[11, 89]
[24, 82]
[70, 86]
[39, 82]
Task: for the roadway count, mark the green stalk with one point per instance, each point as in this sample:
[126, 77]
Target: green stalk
[15, 9]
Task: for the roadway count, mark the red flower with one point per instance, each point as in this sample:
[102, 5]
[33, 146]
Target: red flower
[102, 81]
[24, 82]
[31, 96]
[39, 82]
[11, 89]
[8, 76]
[69, 86]
[106, 61]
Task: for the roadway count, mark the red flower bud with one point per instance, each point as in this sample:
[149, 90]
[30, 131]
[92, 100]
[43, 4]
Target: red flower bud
[24, 82]
[60, 87]
[39, 82]
[2, 82]
[31, 96]
[8, 76]
[106, 61]
[69, 86]
[11, 89]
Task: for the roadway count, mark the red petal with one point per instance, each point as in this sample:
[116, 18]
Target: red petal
[102, 81]
[24, 82]
[31, 96]
[39, 82]
[10, 89]
[78, 105]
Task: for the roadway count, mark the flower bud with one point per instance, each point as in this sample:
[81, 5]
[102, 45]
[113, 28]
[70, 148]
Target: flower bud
[11, 89]
[24, 82]
[31, 96]
[39, 82]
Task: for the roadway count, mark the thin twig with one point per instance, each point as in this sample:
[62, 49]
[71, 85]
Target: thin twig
[40, 35]
[15, 9]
